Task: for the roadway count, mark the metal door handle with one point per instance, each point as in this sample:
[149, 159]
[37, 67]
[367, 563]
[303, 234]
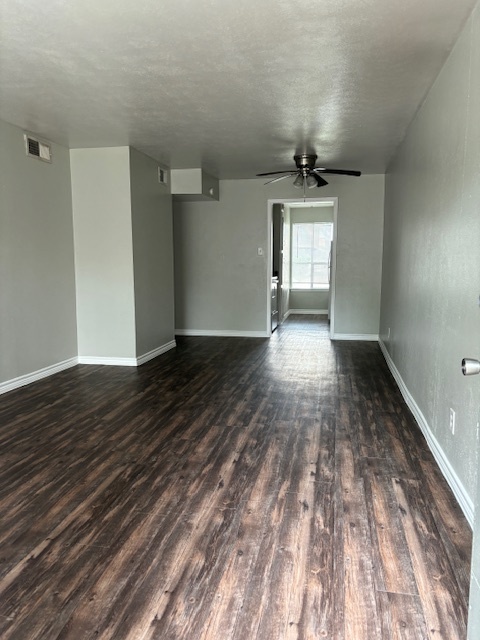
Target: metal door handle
[470, 367]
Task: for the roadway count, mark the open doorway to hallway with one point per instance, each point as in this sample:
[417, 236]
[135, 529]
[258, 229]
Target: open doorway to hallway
[301, 264]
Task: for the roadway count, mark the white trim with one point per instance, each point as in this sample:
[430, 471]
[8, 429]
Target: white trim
[221, 333]
[368, 337]
[309, 312]
[269, 267]
[108, 361]
[333, 272]
[446, 468]
[311, 289]
[324, 289]
[21, 381]
[105, 360]
[156, 352]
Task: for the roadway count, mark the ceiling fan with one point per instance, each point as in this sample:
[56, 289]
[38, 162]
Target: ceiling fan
[307, 174]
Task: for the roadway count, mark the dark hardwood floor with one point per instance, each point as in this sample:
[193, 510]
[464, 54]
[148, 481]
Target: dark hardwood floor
[231, 488]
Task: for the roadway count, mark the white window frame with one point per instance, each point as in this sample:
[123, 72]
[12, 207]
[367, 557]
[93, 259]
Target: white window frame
[313, 286]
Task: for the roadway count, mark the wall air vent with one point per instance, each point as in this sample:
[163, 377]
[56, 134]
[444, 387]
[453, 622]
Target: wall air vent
[162, 176]
[35, 148]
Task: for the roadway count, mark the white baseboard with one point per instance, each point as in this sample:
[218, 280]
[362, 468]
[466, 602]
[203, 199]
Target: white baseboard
[220, 333]
[28, 378]
[156, 352]
[128, 362]
[446, 468]
[108, 361]
[308, 312]
[369, 337]
[21, 381]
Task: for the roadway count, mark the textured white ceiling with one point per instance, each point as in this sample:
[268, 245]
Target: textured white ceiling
[233, 86]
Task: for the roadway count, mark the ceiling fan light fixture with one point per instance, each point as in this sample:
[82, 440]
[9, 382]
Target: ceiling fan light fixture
[311, 181]
[298, 182]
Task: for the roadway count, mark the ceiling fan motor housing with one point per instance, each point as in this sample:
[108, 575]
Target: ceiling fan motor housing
[305, 162]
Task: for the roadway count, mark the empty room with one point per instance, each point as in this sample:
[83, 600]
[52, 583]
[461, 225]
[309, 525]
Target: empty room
[239, 320]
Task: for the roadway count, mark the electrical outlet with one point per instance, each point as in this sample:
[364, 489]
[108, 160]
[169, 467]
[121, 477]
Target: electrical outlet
[452, 420]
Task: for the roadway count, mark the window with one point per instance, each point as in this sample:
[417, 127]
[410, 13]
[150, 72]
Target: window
[311, 242]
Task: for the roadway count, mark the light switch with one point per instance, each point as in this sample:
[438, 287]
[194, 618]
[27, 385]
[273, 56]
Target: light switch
[260, 251]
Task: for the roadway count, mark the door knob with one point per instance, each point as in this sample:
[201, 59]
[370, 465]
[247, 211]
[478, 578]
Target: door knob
[470, 367]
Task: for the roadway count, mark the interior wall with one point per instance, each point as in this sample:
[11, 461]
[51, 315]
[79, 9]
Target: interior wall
[37, 294]
[103, 252]
[152, 229]
[220, 280]
[309, 300]
[431, 264]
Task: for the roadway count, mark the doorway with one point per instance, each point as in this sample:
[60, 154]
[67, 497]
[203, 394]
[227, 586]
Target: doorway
[283, 295]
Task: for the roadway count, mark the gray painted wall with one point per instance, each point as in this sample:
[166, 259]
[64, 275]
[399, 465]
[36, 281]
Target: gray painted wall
[103, 252]
[220, 281]
[37, 295]
[308, 300]
[431, 265]
[152, 229]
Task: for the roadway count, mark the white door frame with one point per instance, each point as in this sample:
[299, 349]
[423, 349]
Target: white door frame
[271, 202]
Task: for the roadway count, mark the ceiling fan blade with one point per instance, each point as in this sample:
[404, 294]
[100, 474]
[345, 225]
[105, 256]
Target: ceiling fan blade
[280, 178]
[341, 172]
[320, 181]
[272, 173]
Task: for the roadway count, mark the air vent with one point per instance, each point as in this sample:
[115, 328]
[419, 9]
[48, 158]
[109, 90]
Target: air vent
[35, 148]
[162, 176]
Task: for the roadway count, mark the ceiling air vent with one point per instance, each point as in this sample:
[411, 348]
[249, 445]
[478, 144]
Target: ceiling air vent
[37, 149]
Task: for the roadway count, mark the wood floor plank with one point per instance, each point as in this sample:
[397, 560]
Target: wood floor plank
[394, 572]
[352, 535]
[402, 617]
[447, 514]
[241, 572]
[438, 589]
[219, 542]
[255, 514]
[263, 612]
[232, 488]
